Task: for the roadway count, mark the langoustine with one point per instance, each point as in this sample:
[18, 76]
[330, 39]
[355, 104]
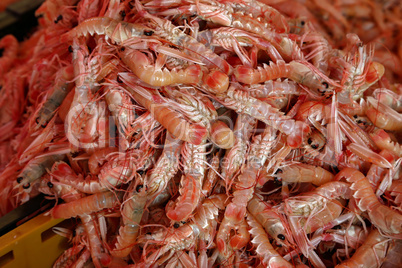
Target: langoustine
[148, 93]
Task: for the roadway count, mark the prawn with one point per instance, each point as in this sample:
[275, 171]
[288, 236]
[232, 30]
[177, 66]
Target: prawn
[270, 219]
[173, 239]
[133, 209]
[255, 17]
[36, 168]
[120, 106]
[165, 168]
[99, 256]
[203, 112]
[300, 172]
[370, 254]
[241, 102]
[72, 196]
[60, 91]
[165, 29]
[140, 65]
[190, 191]
[384, 218]
[189, 196]
[389, 98]
[169, 118]
[266, 252]
[298, 71]
[244, 190]
[194, 105]
[236, 155]
[116, 171]
[235, 40]
[86, 205]
[207, 213]
[359, 71]
[383, 116]
[117, 31]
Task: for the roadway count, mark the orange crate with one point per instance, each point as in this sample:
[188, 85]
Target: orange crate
[33, 244]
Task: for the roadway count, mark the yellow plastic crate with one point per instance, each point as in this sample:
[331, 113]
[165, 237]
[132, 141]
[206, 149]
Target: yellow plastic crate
[33, 244]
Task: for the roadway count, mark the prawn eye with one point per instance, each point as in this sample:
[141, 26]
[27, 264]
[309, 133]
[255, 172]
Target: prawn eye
[336, 227]
[19, 179]
[278, 171]
[325, 84]
[123, 14]
[302, 23]
[176, 225]
[183, 222]
[140, 172]
[120, 82]
[336, 169]
[281, 237]
[314, 146]
[26, 185]
[70, 49]
[59, 18]
[148, 33]
[355, 116]
[50, 185]
[139, 187]
[310, 141]
[122, 48]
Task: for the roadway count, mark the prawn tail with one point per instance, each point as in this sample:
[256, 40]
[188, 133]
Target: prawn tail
[248, 75]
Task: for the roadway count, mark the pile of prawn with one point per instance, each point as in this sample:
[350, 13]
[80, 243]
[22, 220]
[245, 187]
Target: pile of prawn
[194, 133]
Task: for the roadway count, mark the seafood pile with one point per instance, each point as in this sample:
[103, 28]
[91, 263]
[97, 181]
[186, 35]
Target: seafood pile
[194, 133]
